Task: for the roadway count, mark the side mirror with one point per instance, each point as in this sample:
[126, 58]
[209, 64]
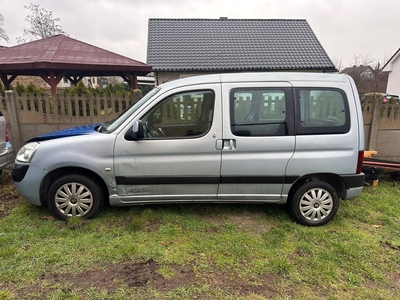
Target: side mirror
[137, 131]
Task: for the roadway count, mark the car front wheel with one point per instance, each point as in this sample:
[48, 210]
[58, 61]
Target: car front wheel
[75, 195]
[315, 203]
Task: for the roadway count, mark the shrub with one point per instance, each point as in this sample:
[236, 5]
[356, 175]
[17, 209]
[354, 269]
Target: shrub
[32, 89]
[120, 89]
[19, 89]
[2, 90]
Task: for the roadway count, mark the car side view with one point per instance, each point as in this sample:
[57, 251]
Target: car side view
[284, 138]
[6, 149]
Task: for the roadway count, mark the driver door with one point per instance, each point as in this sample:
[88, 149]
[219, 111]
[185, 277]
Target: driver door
[177, 160]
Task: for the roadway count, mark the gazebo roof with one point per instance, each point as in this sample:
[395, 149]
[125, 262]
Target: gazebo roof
[61, 56]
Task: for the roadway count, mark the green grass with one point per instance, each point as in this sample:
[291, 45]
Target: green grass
[204, 251]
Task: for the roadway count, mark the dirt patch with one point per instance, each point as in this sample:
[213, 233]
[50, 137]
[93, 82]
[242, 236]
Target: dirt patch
[395, 279]
[389, 245]
[9, 197]
[146, 275]
[264, 286]
[249, 222]
[110, 277]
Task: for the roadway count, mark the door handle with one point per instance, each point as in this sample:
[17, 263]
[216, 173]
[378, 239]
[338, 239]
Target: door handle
[232, 144]
[222, 144]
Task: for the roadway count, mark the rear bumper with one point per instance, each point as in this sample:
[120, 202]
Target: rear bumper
[354, 180]
[354, 184]
[353, 193]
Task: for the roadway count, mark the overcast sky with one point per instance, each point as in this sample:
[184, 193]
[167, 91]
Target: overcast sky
[345, 28]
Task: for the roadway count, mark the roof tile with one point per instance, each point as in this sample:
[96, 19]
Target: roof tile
[68, 52]
[234, 44]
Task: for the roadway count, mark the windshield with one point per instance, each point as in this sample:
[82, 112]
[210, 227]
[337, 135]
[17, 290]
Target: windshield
[114, 124]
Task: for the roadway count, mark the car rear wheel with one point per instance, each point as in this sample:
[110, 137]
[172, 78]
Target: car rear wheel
[75, 195]
[315, 203]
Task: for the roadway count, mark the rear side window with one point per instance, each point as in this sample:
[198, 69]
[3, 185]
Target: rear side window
[321, 111]
[259, 111]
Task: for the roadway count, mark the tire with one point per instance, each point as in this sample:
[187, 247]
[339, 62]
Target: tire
[75, 195]
[315, 203]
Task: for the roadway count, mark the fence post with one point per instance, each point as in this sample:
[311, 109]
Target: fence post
[376, 115]
[15, 130]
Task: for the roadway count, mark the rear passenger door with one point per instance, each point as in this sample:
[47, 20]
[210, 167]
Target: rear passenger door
[258, 140]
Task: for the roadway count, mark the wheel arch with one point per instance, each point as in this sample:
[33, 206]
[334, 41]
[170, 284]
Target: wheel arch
[333, 179]
[53, 175]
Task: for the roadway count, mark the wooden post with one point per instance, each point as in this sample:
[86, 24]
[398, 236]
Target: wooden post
[15, 130]
[131, 78]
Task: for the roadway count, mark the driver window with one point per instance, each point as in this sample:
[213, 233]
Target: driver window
[182, 115]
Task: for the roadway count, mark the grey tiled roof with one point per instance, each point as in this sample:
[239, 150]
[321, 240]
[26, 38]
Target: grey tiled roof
[234, 45]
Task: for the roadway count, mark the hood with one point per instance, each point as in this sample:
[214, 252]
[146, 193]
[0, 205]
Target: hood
[75, 131]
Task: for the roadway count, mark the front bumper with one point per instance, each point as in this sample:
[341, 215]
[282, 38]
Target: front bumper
[7, 156]
[28, 178]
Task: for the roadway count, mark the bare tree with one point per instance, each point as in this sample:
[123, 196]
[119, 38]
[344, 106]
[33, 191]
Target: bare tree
[363, 60]
[41, 25]
[3, 34]
[338, 63]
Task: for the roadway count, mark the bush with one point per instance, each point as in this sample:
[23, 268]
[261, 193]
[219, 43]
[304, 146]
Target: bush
[32, 89]
[120, 89]
[29, 89]
[2, 90]
[19, 89]
[80, 89]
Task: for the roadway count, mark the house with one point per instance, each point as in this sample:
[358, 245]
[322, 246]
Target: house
[393, 67]
[363, 72]
[186, 47]
[367, 79]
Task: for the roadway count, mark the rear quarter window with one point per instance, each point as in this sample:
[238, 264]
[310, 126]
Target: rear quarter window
[260, 111]
[321, 111]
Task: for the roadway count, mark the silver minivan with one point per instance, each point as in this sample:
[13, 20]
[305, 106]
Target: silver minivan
[286, 138]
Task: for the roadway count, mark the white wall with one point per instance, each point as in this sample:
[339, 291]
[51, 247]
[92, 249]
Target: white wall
[393, 86]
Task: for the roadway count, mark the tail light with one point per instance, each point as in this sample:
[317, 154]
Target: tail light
[360, 162]
[7, 133]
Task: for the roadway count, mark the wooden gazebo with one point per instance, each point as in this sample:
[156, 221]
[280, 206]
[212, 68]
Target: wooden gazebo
[60, 56]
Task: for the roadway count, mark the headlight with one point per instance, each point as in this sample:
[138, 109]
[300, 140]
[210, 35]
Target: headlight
[26, 153]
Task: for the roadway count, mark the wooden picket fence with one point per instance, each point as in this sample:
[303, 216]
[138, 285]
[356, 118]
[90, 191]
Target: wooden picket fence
[67, 109]
[29, 115]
